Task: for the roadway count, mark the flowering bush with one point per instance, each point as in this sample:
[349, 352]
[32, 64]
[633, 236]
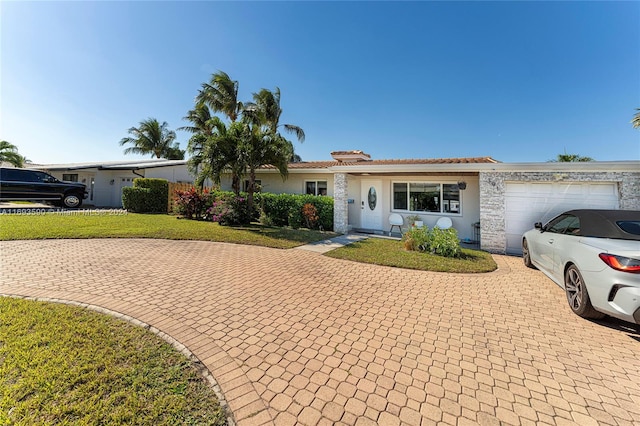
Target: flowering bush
[191, 203]
[443, 242]
[230, 211]
[310, 214]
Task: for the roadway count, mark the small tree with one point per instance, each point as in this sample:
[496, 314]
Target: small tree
[570, 158]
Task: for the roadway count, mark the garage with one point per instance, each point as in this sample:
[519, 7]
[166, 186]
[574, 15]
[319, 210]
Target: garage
[530, 202]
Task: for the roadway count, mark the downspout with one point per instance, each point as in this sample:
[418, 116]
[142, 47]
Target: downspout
[137, 174]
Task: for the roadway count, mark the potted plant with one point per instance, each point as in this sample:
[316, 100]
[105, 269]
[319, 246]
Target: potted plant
[415, 220]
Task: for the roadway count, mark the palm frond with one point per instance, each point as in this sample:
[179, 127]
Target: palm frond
[635, 122]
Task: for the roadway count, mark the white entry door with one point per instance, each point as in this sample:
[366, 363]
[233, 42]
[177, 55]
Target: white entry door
[371, 204]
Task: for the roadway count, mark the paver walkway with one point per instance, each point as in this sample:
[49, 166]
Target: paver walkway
[294, 337]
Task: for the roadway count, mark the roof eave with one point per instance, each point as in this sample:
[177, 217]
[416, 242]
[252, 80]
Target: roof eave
[599, 166]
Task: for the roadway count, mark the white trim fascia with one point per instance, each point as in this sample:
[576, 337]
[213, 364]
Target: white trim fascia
[604, 166]
[297, 171]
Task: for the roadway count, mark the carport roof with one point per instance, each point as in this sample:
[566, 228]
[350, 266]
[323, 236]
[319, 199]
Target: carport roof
[111, 165]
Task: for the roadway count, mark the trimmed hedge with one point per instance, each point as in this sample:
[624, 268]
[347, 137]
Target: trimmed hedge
[286, 209]
[272, 209]
[146, 196]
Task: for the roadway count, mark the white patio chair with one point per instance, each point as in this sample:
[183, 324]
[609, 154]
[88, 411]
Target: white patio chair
[395, 220]
[444, 223]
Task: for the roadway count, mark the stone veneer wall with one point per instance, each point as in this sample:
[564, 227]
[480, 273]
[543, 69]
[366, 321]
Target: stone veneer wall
[340, 203]
[492, 197]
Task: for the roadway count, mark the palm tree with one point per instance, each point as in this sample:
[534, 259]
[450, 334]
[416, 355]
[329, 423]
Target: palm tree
[201, 128]
[269, 103]
[221, 153]
[221, 95]
[174, 153]
[250, 141]
[9, 153]
[153, 138]
[261, 147]
[266, 145]
[635, 122]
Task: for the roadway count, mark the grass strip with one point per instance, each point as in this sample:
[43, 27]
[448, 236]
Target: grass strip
[131, 225]
[387, 252]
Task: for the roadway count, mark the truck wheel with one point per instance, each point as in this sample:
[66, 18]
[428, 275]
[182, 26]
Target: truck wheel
[72, 201]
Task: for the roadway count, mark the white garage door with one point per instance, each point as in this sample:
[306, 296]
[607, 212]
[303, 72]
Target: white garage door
[527, 203]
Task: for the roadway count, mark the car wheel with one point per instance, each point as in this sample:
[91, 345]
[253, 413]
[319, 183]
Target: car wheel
[71, 201]
[578, 296]
[526, 255]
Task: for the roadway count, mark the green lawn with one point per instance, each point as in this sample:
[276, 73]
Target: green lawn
[66, 365]
[131, 225]
[392, 253]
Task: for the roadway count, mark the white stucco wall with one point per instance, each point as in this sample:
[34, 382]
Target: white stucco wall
[172, 174]
[294, 184]
[470, 202]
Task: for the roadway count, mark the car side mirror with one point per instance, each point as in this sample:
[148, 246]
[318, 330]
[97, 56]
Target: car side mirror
[538, 226]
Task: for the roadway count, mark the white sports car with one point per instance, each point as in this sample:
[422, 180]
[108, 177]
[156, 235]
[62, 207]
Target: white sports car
[595, 256]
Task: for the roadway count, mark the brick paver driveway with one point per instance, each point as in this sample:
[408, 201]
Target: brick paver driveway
[294, 337]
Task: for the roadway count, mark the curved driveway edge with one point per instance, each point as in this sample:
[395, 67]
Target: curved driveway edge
[293, 337]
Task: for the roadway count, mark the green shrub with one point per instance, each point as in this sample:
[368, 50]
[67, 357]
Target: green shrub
[276, 207]
[287, 210]
[443, 242]
[136, 200]
[230, 210]
[147, 196]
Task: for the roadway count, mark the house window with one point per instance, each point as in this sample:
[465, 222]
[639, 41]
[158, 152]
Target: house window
[70, 177]
[258, 187]
[316, 187]
[429, 197]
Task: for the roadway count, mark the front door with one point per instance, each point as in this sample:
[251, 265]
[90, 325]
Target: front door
[371, 204]
[89, 179]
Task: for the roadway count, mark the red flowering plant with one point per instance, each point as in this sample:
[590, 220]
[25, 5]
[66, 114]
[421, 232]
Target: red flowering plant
[192, 203]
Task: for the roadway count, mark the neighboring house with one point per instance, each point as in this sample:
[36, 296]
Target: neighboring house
[504, 198]
[105, 180]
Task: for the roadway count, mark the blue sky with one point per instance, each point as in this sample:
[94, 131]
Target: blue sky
[518, 81]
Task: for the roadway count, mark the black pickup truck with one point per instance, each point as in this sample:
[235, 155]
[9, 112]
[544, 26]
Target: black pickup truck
[35, 185]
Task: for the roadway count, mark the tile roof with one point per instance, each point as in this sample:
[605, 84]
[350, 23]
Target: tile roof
[469, 160]
[328, 164]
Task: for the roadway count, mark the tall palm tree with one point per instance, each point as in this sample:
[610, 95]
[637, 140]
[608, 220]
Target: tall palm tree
[635, 122]
[221, 95]
[153, 138]
[268, 146]
[268, 103]
[201, 128]
[9, 154]
[262, 147]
